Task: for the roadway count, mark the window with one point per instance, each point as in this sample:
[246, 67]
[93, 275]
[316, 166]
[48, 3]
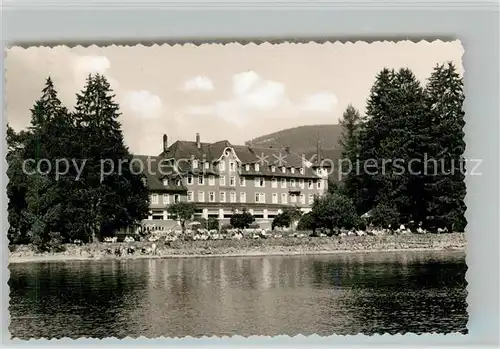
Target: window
[273, 168]
[302, 199]
[259, 182]
[222, 196]
[195, 163]
[301, 183]
[166, 199]
[154, 198]
[232, 196]
[222, 166]
[292, 170]
[318, 184]
[274, 183]
[231, 166]
[211, 180]
[275, 198]
[292, 183]
[301, 170]
[310, 184]
[201, 196]
[260, 197]
[242, 182]
[189, 179]
[211, 196]
[222, 180]
[283, 182]
[283, 169]
[243, 197]
[177, 198]
[293, 198]
[247, 167]
[201, 180]
[144, 181]
[178, 182]
[311, 199]
[257, 168]
[190, 196]
[232, 181]
[165, 182]
[283, 198]
[207, 165]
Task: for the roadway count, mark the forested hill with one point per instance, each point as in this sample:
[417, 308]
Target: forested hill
[302, 139]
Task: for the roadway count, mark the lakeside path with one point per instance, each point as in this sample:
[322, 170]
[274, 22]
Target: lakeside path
[254, 248]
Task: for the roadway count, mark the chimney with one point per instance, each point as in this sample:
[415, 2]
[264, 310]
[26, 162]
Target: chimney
[287, 149]
[165, 142]
[198, 144]
[303, 160]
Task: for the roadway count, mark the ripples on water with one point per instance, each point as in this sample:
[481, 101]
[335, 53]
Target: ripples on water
[334, 294]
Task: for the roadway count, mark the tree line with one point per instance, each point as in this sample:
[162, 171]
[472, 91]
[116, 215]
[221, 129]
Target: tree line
[412, 140]
[45, 207]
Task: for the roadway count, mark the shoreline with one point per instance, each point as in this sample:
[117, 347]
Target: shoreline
[292, 247]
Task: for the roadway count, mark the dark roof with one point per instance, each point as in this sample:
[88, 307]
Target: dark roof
[266, 157]
[155, 170]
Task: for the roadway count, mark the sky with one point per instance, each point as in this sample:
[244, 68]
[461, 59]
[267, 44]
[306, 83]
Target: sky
[230, 91]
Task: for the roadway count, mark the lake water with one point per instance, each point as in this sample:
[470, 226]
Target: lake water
[327, 294]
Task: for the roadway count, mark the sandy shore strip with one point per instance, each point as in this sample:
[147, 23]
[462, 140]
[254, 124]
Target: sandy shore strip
[62, 258]
[251, 248]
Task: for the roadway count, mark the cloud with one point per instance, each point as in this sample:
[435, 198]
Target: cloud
[251, 93]
[92, 64]
[143, 103]
[200, 83]
[319, 102]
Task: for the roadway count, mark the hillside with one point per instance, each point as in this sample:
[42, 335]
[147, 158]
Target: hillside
[302, 139]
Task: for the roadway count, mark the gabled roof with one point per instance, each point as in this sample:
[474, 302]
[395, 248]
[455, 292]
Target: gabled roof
[155, 169]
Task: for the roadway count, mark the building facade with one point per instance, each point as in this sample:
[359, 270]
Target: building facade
[222, 179]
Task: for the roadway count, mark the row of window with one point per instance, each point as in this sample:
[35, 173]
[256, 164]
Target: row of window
[259, 197]
[260, 182]
[232, 167]
[166, 198]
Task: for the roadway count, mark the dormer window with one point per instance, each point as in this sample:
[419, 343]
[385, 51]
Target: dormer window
[273, 168]
[292, 169]
[247, 167]
[165, 182]
[257, 168]
[301, 170]
[318, 171]
[178, 182]
[283, 169]
[195, 163]
[207, 165]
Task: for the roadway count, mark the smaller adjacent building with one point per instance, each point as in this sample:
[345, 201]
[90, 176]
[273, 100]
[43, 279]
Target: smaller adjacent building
[222, 179]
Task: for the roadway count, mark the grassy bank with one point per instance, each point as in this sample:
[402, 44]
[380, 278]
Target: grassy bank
[245, 247]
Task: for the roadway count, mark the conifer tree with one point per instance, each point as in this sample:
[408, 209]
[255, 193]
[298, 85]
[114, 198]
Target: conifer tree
[105, 204]
[445, 187]
[349, 142]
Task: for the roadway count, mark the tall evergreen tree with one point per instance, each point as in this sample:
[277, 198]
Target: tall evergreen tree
[445, 187]
[374, 131]
[120, 198]
[43, 197]
[349, 141]
[391, 138]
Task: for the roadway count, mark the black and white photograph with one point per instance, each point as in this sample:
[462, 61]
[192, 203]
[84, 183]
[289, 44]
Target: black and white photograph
[223, 190]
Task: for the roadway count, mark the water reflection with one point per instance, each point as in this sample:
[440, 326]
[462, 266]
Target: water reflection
[343, 294]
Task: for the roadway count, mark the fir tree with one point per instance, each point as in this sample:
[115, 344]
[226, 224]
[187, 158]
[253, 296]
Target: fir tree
[116, 200]
[349, 142]
[445, 187]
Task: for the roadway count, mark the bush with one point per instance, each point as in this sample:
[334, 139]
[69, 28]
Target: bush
[242, 220]
[334, 211]
[384, 215]
[306, 222]
[213, 223]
